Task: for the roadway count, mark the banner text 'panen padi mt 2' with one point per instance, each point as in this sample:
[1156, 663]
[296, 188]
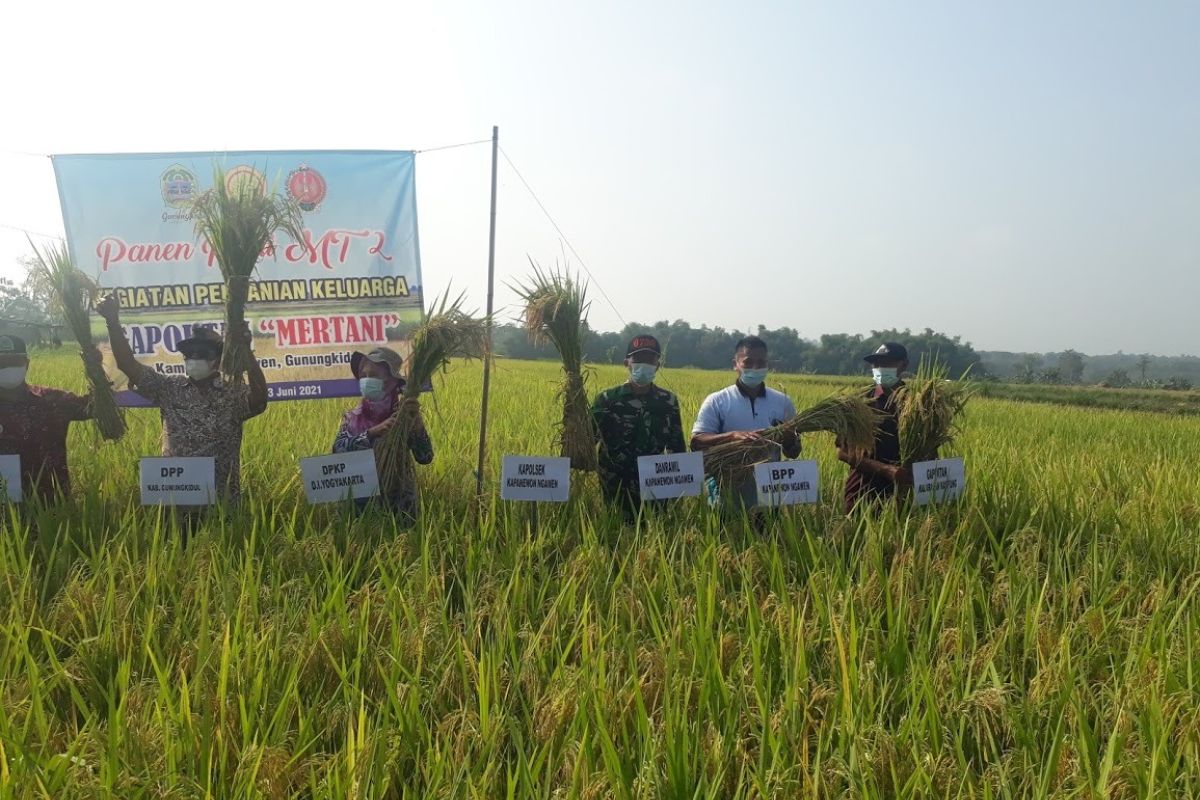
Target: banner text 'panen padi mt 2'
[352, 284]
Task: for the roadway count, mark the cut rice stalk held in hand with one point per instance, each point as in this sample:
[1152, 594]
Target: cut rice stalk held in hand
[73, 294]
[848, 417]
[239, 219]
[446, 333]
[555, 312]
[929, 408]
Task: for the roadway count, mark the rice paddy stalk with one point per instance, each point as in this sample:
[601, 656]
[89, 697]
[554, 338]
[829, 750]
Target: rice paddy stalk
[930, 411]
[848, 417]
[74, 293]
[239, 219]
[555, 312]
[446, 333]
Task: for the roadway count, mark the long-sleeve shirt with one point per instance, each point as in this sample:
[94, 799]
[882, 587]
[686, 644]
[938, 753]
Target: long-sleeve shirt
[405, 498]
[33, 425]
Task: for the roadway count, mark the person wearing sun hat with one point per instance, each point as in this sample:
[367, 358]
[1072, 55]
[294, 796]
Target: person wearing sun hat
[381, 382]
[34, 422]
[637, 418]
[879, 475]
[202, 415]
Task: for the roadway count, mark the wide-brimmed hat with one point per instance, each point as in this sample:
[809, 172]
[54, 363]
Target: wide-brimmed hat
[380, 355]
[202, 340]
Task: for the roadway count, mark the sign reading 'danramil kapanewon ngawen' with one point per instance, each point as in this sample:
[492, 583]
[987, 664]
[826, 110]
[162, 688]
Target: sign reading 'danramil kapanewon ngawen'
[664, 477]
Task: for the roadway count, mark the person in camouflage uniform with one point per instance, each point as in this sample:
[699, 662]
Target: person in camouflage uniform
[634, 419]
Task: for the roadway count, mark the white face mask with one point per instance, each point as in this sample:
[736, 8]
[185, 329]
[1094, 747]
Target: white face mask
[642, 374]
[885, 376]
[198, 368]
[12, 377]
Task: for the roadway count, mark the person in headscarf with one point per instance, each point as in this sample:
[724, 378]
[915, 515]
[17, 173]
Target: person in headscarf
[381, 384]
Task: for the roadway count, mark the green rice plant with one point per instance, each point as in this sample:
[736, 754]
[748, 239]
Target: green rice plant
[239, 220]
[555, 312]
[73, 294]
[446, 333]
[1036, 640]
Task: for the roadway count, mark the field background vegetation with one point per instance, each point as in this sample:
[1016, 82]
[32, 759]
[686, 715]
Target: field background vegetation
[1037, 640]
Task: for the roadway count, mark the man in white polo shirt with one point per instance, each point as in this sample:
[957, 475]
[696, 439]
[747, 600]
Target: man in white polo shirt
[738, 412]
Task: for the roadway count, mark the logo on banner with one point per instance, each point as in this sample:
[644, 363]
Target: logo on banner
[178, 186]
[243, 178]
[307, 186]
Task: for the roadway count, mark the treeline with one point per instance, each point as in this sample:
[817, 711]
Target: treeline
[712, 348]
[841, 354]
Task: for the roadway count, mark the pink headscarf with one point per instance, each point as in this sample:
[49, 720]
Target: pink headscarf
[371, 412]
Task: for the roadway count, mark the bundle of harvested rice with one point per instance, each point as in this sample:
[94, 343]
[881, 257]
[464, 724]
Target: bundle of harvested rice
[446, 333]
[239, 218]
[849, 417]
[928, 407]
[555, 311]
[73, 294]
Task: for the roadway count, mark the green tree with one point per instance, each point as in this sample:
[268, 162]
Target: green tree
[1070, 366]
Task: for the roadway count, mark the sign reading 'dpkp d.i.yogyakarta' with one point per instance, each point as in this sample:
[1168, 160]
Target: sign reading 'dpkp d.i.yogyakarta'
[352, 284]
[178, 481]
[539, 480]
[938, 481]
[787, 483]
[328, 479]
[669, 476]
[10, 479]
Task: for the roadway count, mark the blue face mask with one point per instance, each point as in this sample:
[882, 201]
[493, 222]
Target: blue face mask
[371, 388]
[886, 377]
[753, 378]
[642, 374]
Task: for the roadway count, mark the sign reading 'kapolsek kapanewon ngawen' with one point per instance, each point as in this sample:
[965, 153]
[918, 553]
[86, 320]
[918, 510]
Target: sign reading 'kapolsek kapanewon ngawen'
[353, 283]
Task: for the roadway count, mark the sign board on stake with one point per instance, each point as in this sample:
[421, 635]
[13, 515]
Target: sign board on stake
[10, 477]
[666, 477]
[178, 481]
[939, 481]
[330, 479]
[787, 483]
[535, 479]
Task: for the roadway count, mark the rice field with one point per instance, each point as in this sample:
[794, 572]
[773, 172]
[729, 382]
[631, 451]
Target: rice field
[1038, 640]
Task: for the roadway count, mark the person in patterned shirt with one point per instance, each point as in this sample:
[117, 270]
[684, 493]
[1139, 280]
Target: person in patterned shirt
[202, 415]
[34, 422]
[634, 419]
[381, 385]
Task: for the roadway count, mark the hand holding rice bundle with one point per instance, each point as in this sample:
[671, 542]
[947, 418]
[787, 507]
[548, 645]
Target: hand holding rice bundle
[74, 294]
[239, 219]
[928, 406]
[848, 417]
[556, 312]
[446, 333]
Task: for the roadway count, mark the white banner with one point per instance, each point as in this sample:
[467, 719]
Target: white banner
[329, 479]
[534, 479]
[787, 483]
[669, 476]
[938, 481]
[10, 477]
[178, 481]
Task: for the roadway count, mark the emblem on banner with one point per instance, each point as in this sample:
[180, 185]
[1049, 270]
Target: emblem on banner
[178, 186]
[245, 178]
[307, 186]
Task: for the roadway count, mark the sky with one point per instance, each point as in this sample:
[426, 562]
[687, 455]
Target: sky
[1025, 175]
